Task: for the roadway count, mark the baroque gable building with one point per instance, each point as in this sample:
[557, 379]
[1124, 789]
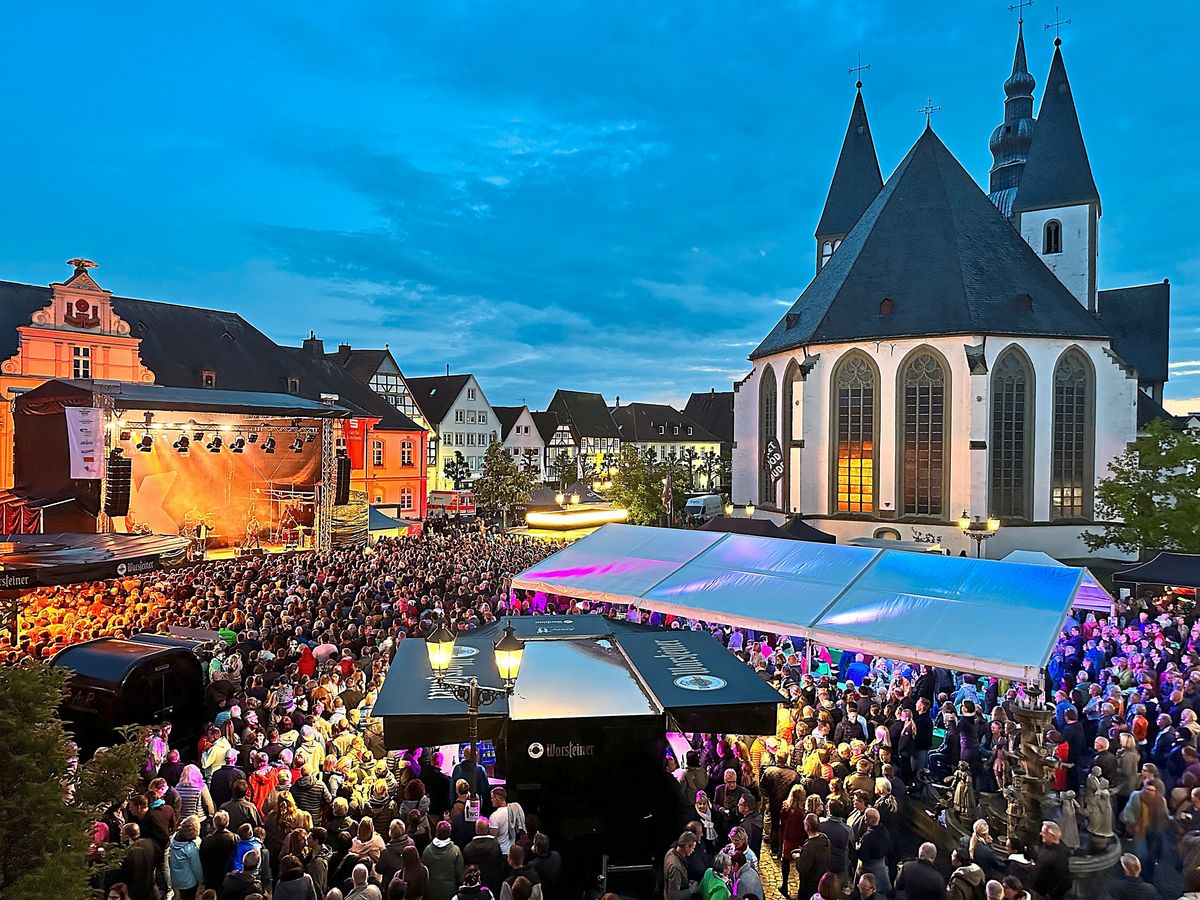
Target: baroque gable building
[953, 355]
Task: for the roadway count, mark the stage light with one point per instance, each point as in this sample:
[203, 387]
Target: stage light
[252, 437]
[214, 446]
[238, 445]
[310, 437]
[297, 445]
[181, 445]
[268, 446]
[146, 444]
[226, 428]
[197, 436]
[125, 436]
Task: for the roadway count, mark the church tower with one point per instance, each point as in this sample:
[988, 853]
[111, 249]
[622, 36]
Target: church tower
[856, 183]
[1010, 141]
[1057, 206]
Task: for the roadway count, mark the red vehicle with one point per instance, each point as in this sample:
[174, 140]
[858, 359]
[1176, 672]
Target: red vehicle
[451, 503]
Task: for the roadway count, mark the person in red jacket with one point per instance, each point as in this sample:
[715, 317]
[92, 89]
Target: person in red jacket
[791, 821]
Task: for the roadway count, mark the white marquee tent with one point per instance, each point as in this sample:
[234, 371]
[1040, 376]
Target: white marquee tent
[975, 615]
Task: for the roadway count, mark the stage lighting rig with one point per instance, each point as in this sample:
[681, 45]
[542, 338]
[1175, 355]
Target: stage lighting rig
[297, 445]
[214, 446]
[238, 445]
[182, 445]
[268, 446]
[146, 444]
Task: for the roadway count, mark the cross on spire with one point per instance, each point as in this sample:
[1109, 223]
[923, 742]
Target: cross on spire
[929, 109]
[1020, 6]
[858, 70]
[1057, 24]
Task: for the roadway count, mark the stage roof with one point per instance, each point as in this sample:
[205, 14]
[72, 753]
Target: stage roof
[1169, 569]
[37, 560]
[1092, 594]
[975, 615]
[155, 397]
[578, 667]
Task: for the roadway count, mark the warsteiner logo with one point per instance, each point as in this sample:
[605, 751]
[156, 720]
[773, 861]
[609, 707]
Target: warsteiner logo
[536, 750]
[569, 750]
[700, 682]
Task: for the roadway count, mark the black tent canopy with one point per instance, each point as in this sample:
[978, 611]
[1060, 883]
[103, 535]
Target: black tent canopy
[1173, 569]
[39, 560]
[801, 530]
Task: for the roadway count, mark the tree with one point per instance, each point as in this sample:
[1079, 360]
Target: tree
[456, 470]
[638, 485]
[710, 468]
[562, 469]
[47, 802]
[1151, 501]
[529, 461]
[502, 484]
[688, 458]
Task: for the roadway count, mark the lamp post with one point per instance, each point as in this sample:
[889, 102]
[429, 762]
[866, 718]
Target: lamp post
[749, 510]
[728, 510]
[978, 530]
[508, 650]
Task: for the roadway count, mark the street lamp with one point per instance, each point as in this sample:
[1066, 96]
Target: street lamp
[978, 530]
[749, 510]
[560, 498]
[508, 650]
[728, 510]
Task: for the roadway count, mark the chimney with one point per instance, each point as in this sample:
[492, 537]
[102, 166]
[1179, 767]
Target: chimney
[343, 348]
[447, 370]
[313, 345]
[618, 401]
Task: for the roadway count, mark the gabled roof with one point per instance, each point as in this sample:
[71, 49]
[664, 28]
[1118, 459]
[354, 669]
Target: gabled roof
[319, 374]
[587, 411]
[1058, 172]
[949, 262]
[507, 417]
[435, 394]
[714, 411]
[1139, 319]
[362, 364]
[546, 423]
[640, 422]
[856, 178]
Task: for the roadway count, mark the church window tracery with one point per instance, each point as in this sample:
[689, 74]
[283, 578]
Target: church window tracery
[1052, 237]
[768, 425]
[1012, 436]
[856, 428]
[1070, 462]
[923, 398]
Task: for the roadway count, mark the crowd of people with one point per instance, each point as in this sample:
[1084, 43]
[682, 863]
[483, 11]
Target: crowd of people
[290, 791]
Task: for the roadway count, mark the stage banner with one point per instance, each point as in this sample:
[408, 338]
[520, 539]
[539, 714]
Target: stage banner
[85, 439]
[355, 432]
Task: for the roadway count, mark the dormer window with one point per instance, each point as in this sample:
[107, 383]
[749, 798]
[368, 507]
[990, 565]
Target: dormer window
[208, 378]
[662, 429]
[1052, 237]
[293, 385]
[826, 252]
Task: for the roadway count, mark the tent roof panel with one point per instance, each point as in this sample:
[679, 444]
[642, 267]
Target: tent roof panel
[577, 679]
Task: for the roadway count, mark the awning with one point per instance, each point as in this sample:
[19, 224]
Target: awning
[975, 615]
[736, 525]
[801, 530]
[1170, 569]
[37, 560]
[1092, 594]
[379, 521]
[579, 667]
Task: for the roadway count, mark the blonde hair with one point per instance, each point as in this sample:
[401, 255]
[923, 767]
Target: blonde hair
[978, 832]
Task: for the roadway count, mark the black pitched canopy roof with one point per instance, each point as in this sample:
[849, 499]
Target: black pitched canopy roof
[1139, 319]
[856, 179]
[1058, 172]
[945, 258]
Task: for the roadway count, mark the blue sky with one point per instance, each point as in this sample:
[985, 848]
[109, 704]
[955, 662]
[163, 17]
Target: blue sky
[609, 196]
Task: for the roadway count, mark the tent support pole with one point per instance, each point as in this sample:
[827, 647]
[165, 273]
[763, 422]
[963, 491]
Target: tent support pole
[808, 655]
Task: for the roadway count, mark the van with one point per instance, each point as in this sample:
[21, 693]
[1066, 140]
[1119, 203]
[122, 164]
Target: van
[701, 509]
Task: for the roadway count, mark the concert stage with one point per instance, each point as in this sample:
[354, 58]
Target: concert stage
[229, 470]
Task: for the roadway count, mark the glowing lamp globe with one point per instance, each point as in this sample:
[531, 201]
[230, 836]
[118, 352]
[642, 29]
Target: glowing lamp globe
[509, 650]
[728, 509]
[993, 524]
[440, 646]
[964, 521]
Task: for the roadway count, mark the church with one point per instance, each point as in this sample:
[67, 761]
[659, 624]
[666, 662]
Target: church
[953, 356]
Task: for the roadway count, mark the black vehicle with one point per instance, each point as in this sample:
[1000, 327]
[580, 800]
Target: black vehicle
[131, 682]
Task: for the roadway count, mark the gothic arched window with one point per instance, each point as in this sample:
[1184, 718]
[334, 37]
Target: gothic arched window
[1052, 237]
[1071, 437]
[768, 427]
[1011, 441]
[923, 458]
[856, 425]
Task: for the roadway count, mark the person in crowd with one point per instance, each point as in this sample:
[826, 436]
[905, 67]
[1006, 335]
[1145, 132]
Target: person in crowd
[483, 852]
[187, 873]
[1052, 872]
[919, 879]
[812, 859]
[676, 884]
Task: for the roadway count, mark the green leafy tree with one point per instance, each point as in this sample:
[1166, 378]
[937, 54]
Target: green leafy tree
[456, 470]
[47, 802]
[502, 484]
[1151, 501]
[709, 465]
[562, 470]
[638, 485]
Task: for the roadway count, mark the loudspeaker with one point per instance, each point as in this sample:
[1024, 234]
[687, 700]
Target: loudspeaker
[341, 488]
[118, 480]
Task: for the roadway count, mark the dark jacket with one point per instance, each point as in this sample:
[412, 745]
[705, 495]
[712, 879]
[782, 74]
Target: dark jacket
[240, 812]
[220, 785]
[811, 863]
[239, 885]
[138, 868]
[1052, 872]
[318, 870]
[839, 836]
[216, 857]
[391, 860]
[549, 868]
[1126, 888]
[310, 794]
[485, 853]
[921, 880]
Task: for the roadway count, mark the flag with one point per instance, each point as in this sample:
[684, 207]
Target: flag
[666, 494]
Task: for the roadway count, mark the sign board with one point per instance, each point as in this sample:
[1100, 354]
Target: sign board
[85, 439]
[772, 460]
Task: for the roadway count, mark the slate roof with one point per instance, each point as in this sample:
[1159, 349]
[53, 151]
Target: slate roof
[1139, 319]
[546, 424]
[507, 416]
[362, 364]
[714, 411]
[587, 412]
[1058, 172]
[178, 343]
[435, 394]
[856, 178]
[640, 422]
[949, 261]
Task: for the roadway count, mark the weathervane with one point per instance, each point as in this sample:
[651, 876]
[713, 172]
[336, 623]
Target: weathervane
[1020, 6]
[858, 70]
[1057, 24]
[929, 109]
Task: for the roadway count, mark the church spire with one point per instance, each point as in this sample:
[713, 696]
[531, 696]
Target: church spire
[1011, 140]
[1058, 172]
[856, 182]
